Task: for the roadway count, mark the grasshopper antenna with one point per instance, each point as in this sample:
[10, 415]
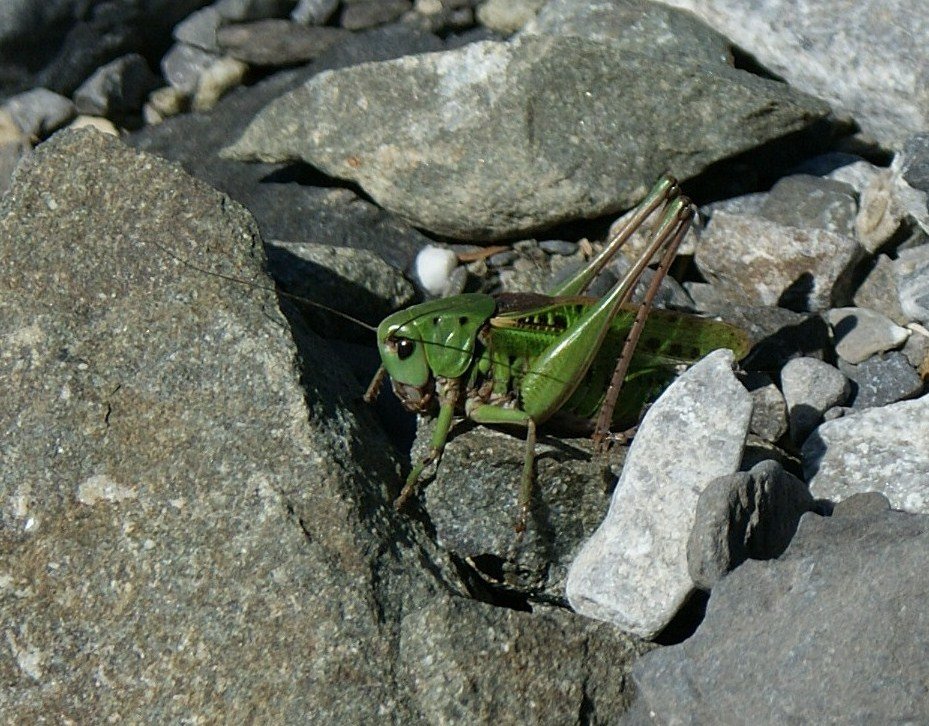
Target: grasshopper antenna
[241, 281]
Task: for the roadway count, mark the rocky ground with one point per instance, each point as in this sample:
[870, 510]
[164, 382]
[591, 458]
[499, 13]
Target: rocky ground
[197, 519]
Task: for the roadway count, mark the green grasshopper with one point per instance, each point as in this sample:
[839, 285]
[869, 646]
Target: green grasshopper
[526, 359]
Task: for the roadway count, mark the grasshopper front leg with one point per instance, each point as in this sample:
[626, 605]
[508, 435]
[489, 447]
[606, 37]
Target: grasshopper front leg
[449, 400]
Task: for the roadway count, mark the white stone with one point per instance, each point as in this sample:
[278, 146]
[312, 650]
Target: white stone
[633, 571]
[434, 267]
[883, 449]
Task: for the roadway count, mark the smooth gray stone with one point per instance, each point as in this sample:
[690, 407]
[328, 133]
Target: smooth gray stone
[748, 515]
[183, 65]
[811, 387]
[370, 13]
[833, 631]
[313, 12]
[199, 29]
[769, 410]
[39, 112]
[860, 333]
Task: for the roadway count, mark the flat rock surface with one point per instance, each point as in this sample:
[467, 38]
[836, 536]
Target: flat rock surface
[556, 128]
[834, 631]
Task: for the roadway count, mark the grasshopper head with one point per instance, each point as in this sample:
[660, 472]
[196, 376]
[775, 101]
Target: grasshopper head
[429, 340]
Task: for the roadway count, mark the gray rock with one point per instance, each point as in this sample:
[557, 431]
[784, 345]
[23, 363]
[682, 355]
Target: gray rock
[860, 333]
[369, 13]
[314, 12]
[199, 29]
[175, 402]
[276, 42]
[769, 410]
[472, 503]
[758, 261]
[883, 379]
[633, 570]
[878, 291]
[811, 387]
[748, 515]
[183, 65]
[558, 247]
[880, 212]
[745, 204]
[184, 503]
[447, 143]
[353, 281]
[660, 28]
[877, 449]
[39, 112]
[116, 89]
[242, 11]
[853, 60]
[912, 270]
[508, 16]
[831, 632]
[811, 202]
[448, 645]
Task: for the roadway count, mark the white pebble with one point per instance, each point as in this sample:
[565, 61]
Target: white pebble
[434, 267]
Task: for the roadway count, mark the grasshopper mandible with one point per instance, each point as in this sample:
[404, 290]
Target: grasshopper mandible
[525, 359]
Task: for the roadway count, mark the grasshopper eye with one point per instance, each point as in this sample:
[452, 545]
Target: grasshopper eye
[405, 348]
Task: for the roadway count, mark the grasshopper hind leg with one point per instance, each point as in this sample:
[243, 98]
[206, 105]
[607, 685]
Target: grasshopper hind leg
[667, 238]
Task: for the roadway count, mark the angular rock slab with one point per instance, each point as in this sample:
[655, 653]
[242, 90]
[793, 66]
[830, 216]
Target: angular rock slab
[757, 261]
[633, 572]
[866, 57]
[834, 631]
[882, 449]
[189, 531]
[497, 139]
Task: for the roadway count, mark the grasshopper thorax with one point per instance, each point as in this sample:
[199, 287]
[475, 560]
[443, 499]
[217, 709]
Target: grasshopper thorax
[433, 339]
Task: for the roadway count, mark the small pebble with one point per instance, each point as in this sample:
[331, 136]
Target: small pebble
[182, 66]
[361, 15]
[434, 267]
[860, 333]
[314, 12]
[216, 80]
[746, 515]
[811, 387]
[558, 247]
[769, 411]
[39, 112]
[199, 29]
[884, 379]
[502, 259]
